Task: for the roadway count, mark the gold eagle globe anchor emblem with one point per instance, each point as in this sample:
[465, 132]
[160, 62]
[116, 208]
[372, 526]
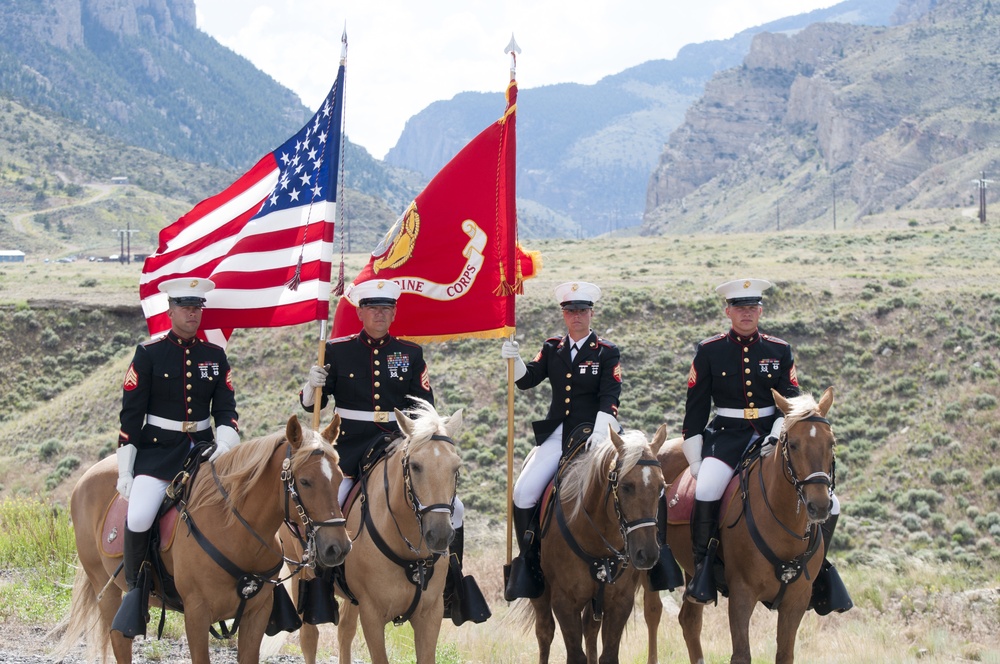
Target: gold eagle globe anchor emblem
[397, 245]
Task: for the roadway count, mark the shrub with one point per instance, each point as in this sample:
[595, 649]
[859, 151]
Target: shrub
[992, 476]
[49, 449]
[985, 402]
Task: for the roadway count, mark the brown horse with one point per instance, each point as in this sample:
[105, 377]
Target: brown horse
[402, 519]
[604, 517]
[767, 540]
[262, 479]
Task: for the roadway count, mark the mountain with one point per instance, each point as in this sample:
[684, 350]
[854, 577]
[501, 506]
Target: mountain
[587, 151]
[141, 72]
[838, 119]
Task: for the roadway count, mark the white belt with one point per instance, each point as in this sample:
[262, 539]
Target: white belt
[175, 425]
[745, 413]
[366, 415]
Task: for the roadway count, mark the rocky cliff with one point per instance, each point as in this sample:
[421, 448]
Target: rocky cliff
[858, 118]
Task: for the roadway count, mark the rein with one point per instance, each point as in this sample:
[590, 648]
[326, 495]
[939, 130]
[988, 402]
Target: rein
[418, 571]
[607, 569]
[786, 572]
[248, 584]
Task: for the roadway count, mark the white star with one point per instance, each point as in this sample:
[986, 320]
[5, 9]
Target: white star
[306, 178]
[284, 158]
[284, 181]
[316, 164]
[274, 198]
[317, 192]
[322, 137]
[312, 154]
[294, 194]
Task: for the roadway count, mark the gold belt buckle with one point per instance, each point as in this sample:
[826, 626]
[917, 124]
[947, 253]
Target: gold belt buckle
[380, 416]
[750, 414]
[188, 427]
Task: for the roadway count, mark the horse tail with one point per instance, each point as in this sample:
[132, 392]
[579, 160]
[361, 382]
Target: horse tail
[83, 622]
[521, 615]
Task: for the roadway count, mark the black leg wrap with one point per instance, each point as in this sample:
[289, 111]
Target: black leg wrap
[829, 593]
[283, 616]
[317, 604]
[133, 614]
[704, 524]
[666, 573]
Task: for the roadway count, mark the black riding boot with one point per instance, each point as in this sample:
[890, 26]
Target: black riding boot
[463, 600]
[665, 574]
[704, 540]
[829, 592]
[524, 575]
[131, 617]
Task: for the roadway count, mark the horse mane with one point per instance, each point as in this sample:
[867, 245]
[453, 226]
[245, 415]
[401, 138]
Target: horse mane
[241, 468]
[802, 407]
[590, 471]
[427, 422]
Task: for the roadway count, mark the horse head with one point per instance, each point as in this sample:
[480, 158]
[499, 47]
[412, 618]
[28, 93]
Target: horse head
[806, 449]
[431, 465]
[636, 482]
[312, 479]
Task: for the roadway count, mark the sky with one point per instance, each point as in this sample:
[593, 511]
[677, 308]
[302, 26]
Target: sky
[404, 55]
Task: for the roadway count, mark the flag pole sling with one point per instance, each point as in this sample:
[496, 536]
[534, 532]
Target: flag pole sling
[510, 453]
[321, 359]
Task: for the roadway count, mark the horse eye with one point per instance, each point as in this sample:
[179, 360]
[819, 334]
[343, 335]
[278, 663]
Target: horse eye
[628, 488]
[416, 467]
[306, 483]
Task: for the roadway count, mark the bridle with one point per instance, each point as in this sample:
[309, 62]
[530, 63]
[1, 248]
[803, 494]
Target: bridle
[308, 539]
[609, 568]
[818, 477]
[419, 509]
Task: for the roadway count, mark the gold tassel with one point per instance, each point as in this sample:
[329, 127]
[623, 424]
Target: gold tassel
[504, 287]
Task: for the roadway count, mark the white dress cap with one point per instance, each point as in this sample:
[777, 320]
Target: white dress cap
[574, 295]
[187, 291]
[743, 292]
[374, 293]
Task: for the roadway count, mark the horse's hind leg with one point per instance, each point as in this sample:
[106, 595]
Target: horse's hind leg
[690, 618]
[346, 630]
[652, 611]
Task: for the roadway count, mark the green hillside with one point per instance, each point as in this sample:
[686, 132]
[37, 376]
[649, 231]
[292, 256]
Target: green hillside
[901, 321]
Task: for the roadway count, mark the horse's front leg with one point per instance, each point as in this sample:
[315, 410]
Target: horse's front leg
[346, 630]
[569, 612]
[545, 624]
[426, 622]
[251, 629]
[373, 627]
[789, 618]
[197, 620]
[690, 618]
[618, 608]
[741, 605]
[591, 628]
[652, 611]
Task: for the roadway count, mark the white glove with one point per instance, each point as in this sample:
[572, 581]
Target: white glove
[768, 445]
[509, 351]
[226, 438]
[317, 376]
[601, 424]
[126, 462]
[692, 451]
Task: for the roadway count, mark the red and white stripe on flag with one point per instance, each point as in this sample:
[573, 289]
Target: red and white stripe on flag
[266, 241]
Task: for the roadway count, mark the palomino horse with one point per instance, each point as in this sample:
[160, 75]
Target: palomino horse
[402, 519]
[767, 540]
[604, 512]
[237, 507]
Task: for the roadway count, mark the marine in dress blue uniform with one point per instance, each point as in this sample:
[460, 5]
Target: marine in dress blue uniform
[174, 388]
[736, 372]
[585, 374]
[370, 374]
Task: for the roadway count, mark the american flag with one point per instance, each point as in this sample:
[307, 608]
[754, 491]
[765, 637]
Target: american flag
[266, 241]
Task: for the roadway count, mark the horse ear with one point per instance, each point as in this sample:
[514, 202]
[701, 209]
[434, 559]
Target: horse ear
[826, 401]
[404, 422]
[781, 401]
[616, 440]
[332, 431]
[293, 432]
[454, 423]
[658, 438]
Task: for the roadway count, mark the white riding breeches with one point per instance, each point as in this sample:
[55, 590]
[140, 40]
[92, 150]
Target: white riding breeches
[714, 477]
[144, 502]
[539, 468]
[457, 516]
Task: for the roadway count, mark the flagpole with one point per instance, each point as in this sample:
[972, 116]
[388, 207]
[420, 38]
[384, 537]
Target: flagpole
[321, 350]
[513, 49]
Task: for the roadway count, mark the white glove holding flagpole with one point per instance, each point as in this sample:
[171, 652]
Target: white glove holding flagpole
[126, 462]
[692, 451]
[510, 351]
[317, 379]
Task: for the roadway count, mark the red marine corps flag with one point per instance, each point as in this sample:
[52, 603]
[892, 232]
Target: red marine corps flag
[266, 241]
[454, 252]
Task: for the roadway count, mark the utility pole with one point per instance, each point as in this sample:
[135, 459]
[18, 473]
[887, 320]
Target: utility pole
[981, 183]
[833, 186]
[123, 256]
